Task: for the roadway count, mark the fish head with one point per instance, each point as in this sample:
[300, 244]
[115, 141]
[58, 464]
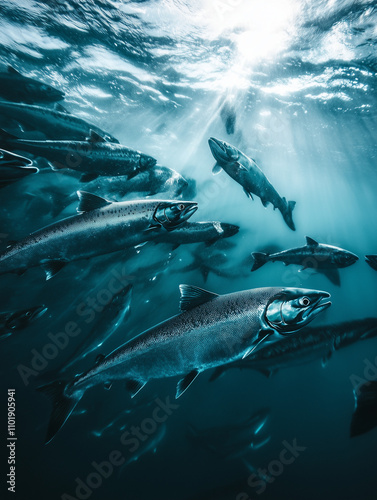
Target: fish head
[224, 153]
[21, 319]
[293, 308]
[344, 258]
[171, 214]
[146, 161]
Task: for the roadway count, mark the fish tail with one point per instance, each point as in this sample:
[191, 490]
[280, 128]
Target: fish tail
[63, 405]
[287, 214]
[259, 260]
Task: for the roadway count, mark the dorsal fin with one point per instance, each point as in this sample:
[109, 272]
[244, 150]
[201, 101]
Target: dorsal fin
[60, 108]
[192, 296]
[94, 137]
[13, 71]
[311, 242]
[89, 201]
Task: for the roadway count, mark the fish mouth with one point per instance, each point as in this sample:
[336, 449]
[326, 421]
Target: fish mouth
[351, 258]
[189, 210]
[319, 305]
[217, 149]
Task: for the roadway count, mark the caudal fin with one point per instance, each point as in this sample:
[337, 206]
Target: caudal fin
[259, 260]
[62, 406]
[287, 215]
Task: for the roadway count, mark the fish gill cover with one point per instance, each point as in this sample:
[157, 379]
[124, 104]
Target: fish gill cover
[183, 186]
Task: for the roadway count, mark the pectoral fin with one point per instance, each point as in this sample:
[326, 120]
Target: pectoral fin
[134, 386]
[261, 338]
[52, 267]
[185, 383]
[216, 169]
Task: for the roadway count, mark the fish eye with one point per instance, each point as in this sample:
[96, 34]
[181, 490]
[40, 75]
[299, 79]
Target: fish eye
[181, 206]
[304, 301]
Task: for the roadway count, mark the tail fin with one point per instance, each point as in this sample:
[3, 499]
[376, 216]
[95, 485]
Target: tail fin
[62, 406]
[287, 215]
[259, 260]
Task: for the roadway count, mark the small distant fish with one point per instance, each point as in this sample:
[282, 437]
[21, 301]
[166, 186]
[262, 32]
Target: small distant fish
[372, 261]
[14, 167]
[145, 446]
[232, 439]
[101, 227]
[207, 264]
[198, 232]
[92, 158]
[106, 323]
[229, 117]
[212, 330]
[311, 344]
[16, 87]
[55, 123]
[12, 321]
[325, 259]
[364, 417]
[246, 172]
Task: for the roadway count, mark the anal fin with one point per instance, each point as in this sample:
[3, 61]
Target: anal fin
[134, 386]
[248, 194]
[185, 383]
[52, 267]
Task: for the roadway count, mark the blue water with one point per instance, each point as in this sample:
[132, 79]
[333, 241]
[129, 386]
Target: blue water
[293, 85]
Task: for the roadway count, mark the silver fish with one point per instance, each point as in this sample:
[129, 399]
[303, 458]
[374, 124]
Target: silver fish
[325, 259]
[55, 123]
[246, 172]
[102, 227]
[212, 330]
[312, 344]
[92, 157]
